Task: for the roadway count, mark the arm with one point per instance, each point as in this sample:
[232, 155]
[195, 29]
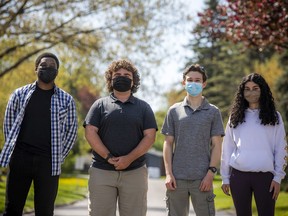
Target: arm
[207, 182]
[215, 151]
[145, 144]
[280, 158]
[91, 134]
[228, 147]
[71, 127]
[11, 113]
[280, 152]
[167, 156]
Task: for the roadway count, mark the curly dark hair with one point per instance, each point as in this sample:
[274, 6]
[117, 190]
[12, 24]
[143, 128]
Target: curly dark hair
[124, 64]
[198, 68]
[267, 114]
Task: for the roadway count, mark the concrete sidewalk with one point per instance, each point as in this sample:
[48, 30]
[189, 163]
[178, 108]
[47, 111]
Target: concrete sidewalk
[156, 203]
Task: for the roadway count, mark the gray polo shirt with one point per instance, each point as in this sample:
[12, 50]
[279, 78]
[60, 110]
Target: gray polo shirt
[121, 127]
[192, 131]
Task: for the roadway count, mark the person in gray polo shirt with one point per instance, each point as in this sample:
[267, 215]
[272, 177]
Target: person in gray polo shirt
[193, 132]
[120, 128]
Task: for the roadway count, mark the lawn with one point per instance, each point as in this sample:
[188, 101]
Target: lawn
[224, 202]
[70, 190]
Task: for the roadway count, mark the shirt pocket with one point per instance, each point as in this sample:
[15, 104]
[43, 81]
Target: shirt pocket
[62, 114]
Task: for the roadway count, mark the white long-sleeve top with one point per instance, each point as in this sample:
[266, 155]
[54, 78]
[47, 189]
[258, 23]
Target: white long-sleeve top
[254, 147]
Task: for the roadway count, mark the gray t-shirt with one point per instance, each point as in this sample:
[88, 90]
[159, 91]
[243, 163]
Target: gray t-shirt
[192, 132]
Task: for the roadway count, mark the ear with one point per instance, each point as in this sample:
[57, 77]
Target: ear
[204, 84]
[183, 82]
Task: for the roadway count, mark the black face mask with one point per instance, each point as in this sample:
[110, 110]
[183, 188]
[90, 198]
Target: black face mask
[121, 83]
[47, 74]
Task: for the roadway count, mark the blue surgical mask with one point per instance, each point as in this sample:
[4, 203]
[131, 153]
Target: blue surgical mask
[193, 88]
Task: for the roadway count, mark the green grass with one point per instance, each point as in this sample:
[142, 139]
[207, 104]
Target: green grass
[70, 190]
[224, 202]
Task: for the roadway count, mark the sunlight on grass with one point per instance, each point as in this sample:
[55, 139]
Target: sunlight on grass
[70, 189]
[224, 202]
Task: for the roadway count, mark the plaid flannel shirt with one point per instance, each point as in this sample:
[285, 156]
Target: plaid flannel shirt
[64, 124]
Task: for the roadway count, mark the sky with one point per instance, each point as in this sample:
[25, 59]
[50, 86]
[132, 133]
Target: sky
[169, 74]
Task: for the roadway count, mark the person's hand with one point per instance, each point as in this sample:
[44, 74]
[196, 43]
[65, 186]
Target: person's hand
[226, 189]
[112, 161]
[122, 162]
[207, 182]
[275, 188]
[170, 182]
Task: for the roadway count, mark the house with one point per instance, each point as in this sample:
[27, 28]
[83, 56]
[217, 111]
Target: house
[154, 158]
[155, 163]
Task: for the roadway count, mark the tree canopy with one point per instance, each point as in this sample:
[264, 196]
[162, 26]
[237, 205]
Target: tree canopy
[86, 35]
[260, 23]
[101, 30]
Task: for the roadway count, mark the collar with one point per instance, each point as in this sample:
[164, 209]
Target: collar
[56, 89]
[204, 104]
[131, 99]
[252, 110]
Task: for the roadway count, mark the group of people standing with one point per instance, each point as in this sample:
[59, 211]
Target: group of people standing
[40, 128]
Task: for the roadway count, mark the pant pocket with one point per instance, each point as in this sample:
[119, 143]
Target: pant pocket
[166, 200]
[211, 205]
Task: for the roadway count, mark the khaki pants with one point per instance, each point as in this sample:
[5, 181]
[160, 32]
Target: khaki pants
[177, 202]
[127, 188]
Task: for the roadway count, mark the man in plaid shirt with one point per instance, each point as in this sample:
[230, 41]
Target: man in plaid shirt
[40, 128]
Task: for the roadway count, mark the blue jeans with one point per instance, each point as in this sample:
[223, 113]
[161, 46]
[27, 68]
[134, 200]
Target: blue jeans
[24, 168]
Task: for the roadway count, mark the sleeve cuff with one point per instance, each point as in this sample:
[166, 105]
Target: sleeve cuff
[225, 181]
[277, 179]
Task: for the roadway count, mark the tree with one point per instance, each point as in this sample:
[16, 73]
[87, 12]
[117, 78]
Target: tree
[258, 28]
[158, 144]
[256, 23]
[224, 62]
[259, 25]
[86, 35]
[99, 29]
[271, 70]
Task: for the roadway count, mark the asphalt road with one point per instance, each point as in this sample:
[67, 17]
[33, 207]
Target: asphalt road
[156, 203]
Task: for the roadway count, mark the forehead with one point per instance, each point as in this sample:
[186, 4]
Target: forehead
[194, 74]
[48, 60]
[123, 71]
[251, 84]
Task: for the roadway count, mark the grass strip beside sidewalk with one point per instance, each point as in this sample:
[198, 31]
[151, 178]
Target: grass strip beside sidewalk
[71, 189]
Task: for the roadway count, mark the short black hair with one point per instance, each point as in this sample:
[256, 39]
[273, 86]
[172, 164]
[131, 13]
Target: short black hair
[46, 55]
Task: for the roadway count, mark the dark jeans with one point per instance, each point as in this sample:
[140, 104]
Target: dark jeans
[243, 184]
[23, 169]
